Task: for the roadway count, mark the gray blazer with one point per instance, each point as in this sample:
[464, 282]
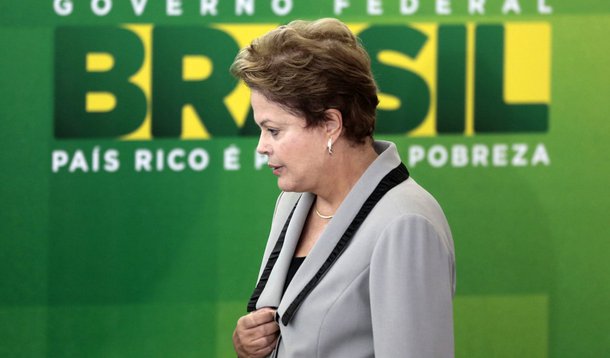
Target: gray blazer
[390, 292]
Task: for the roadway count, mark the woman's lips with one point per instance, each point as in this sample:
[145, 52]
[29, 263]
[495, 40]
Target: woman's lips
[276, 168]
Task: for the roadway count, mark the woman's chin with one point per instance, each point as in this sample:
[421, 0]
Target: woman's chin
[287, 186]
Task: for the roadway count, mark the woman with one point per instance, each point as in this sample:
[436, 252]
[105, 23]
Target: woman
[360, 259]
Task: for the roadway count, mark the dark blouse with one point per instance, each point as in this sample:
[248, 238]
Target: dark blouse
[294, 267]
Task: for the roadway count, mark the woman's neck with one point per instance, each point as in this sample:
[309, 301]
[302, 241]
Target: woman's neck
[346, 167]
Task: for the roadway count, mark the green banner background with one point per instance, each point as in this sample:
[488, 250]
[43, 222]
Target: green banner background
[133, 264]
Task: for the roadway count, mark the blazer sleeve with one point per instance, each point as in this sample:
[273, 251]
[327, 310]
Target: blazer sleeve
[411, 290]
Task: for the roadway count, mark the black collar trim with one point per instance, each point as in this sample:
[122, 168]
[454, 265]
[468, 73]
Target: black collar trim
[262, 282]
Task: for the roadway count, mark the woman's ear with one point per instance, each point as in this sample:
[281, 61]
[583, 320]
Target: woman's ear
[333, 123]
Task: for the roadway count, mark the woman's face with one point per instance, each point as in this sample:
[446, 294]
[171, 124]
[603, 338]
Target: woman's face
[296, 153]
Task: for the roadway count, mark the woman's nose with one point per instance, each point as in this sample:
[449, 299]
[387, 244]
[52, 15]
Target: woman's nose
[262, 147]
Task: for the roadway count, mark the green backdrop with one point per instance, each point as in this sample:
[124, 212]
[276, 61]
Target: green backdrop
[134, 211]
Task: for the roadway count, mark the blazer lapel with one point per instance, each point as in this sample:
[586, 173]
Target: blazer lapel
[386, 162]
[272, 292]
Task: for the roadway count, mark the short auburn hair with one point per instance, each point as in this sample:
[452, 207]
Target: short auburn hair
[308, 67]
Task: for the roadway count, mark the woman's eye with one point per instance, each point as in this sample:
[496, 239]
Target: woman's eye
[272, 131]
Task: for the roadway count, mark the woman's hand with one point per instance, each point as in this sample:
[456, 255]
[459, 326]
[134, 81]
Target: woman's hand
[256, 334]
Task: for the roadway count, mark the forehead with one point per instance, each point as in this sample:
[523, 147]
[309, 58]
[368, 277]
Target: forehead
[268, 111]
